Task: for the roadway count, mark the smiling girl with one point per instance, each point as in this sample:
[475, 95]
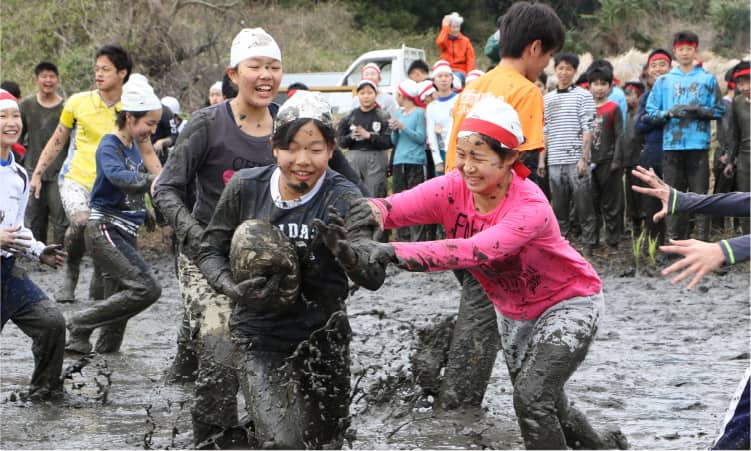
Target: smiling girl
[117, 211]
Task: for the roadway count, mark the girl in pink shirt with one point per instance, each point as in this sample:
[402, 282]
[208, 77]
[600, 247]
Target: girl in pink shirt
[500, 227]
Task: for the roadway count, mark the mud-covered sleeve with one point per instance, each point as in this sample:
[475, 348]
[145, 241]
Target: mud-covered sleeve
[343, 136]
[723, 204]
[340, 164]
[178, 173]
[715, 107]
[587, 112]
[422, 204]
[736, 249]
[505, 238]
[213, 256]
[110, 162]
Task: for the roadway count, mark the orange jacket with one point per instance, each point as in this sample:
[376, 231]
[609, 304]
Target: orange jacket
[458, 52]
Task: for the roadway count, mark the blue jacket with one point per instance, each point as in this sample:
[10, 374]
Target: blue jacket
[696, 98]
[618, 96]
[651, 130]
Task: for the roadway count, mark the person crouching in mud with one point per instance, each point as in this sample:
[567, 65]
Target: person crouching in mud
[293, 330]
[22, 301]
[500, 226]
[117, 211]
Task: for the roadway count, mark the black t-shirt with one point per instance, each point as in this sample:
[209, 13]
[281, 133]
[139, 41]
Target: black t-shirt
[324, 286]
[374, 121]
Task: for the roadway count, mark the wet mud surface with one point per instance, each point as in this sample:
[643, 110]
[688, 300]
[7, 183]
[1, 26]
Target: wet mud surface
[663, 368]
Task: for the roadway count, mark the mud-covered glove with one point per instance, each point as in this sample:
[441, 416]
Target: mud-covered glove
[679, 111]
[258, 291]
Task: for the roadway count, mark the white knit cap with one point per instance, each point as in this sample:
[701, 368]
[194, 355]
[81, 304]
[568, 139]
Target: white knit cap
[473, 75]
[409, 88]
[305, 105]
[253, 43]
[455, 18]
[7, 100]
[171, 103]
[496, 119]
[216, 87]
[138, 95]
[441, 67]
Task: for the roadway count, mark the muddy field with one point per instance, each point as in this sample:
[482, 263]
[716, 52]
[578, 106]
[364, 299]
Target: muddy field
[663, 368]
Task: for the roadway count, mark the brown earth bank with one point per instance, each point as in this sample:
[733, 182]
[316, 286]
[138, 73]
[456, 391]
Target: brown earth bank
[663, 368]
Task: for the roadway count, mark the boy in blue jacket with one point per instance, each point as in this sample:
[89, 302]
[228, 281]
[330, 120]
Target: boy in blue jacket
[686, 100]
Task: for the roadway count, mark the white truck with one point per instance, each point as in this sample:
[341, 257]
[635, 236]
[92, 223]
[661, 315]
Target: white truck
[339, 86]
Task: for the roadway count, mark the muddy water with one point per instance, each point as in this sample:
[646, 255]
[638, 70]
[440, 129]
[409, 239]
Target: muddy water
[663, 368]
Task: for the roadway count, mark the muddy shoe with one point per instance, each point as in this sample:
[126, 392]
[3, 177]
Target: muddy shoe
[78, 341]
[184, 368]
[613, 438]
[66, 295]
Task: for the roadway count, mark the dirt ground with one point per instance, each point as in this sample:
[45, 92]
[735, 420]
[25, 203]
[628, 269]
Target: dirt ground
[663, 368]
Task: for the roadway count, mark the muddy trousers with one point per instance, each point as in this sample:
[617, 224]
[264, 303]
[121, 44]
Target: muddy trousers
[301, 401]
[735, 431]
[743, 182]
[607, 198]
[541, 355]
[48, 209]
[474, 345]
[371, 165]
[567, 186]
[29, 308]
[114, 252]
[216, 386]
[406, 176]
[633, 202]
[687, 170]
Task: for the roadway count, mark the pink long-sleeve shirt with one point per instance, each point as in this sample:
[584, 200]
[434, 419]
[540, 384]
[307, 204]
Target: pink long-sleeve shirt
[516, 251]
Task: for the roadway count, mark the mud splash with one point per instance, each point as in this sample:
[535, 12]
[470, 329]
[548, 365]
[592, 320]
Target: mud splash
[663, 367]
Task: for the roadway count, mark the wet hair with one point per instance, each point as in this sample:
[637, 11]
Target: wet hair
[45, 65]
[525, 23]
[600, 73]
[570, 58]
[121, 118]
[229, 89]
[119, 57]
[660, 52]
[284, 134]
[418, 65]
[685, 36]
[12, 87]
[298, 86]
[543, 78]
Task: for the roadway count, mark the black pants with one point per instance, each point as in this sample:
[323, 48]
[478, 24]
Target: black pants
[406, 176]
[48, 209]
[30, 309]
[607, 198]
[687, 170]
[114, 252]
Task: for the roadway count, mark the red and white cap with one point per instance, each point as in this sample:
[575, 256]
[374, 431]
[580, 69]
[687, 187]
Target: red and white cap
[473, 75]
[409, 88]
[441, 67]
[426, 89]
[7, 100]
[496, 119]
[371, 66]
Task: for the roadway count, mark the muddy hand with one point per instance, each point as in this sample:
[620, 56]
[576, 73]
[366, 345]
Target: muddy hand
[53, 255]
[699, 258]
[655, 188]
[12, 240]
[256, 289]
[334, 236]
[361, 214]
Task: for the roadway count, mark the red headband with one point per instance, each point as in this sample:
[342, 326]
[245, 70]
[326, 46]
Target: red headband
[658, 56]
[741, 73]
[488, 128]
[682, 43]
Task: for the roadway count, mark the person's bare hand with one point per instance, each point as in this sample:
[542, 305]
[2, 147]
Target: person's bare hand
[655, 188]
[13, 240]
[541, 171]
[728, 171]
[53, 255]
[446, 21]
[724, 158]
[699, 259]
[35, 185]
[581, 167]
[364, 134]
[440, 167]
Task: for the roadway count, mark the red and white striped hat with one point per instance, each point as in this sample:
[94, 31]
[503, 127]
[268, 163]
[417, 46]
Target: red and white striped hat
[7, 100]
[426, 89]
[496, 119]
[441, 67]
[473, 75]
[409, 89]
[371, 66]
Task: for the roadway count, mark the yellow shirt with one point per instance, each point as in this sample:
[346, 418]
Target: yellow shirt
[92, 120]
[512, 87]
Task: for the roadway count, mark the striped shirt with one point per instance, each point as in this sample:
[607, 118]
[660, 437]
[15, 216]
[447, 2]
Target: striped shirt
[568, 114]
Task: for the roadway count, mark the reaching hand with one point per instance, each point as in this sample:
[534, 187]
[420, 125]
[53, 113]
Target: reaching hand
[12, 240]
[699, 258]
[334, 236]
[655, 188]
[255, 290]
[53, 255]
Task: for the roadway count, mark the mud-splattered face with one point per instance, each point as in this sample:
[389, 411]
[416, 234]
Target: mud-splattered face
[483, 169]
[10, 126]
[257, 80]
[303, 162]
[143, 127]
